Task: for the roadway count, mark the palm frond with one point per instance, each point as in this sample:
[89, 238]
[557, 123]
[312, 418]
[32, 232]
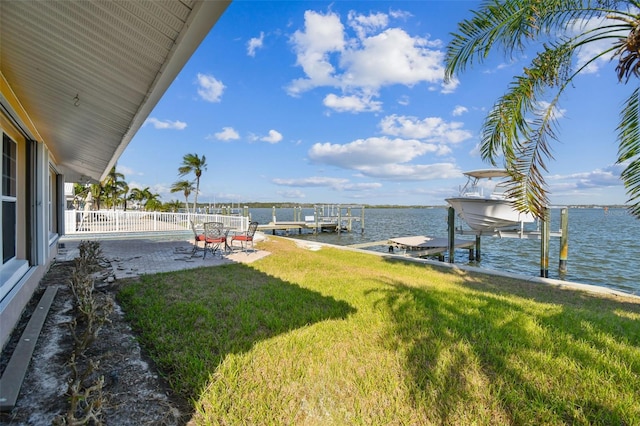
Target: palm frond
[509, 121]
[629, 149]
[528, 187]
[510, 130]
[512, 25]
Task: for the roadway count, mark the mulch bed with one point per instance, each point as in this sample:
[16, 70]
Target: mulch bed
[134, 393]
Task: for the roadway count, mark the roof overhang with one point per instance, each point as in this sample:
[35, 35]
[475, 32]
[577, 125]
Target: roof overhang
[89, 73]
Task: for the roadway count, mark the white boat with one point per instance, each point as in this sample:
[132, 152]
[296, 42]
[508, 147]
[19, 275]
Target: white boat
[483, 205]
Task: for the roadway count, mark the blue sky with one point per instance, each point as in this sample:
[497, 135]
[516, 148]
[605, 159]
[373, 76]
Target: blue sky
[344, 102]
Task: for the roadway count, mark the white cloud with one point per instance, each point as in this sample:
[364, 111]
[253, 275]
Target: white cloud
[413, 172]
[362, 186]
[369, 152]
[338, 184]
[588, 51]
[364, 25]
[433, 129]
[601, 186]
[254, 44]
[392, 57]
[314, 181]
[166, 124]
[361, 64]
[291, 194]
[227, 134]
[459, 110]
[273, 137]
[127, 171]
[500, 66]
[386, 158]
[604, 178]
[400, 14]
[556, 112]
[450, 86]
[209, 88]
[352, 103]
[323, 35]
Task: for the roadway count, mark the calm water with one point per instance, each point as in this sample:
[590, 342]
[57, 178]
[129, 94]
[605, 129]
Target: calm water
[603, 245]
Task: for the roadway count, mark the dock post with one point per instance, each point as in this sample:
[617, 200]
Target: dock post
[544, 245]
[245, 211]
[273, 214]
[315, 215]
[362, 220]
[452, 235]
[349, 219]
[478, 247]
[339, 222]
[564, 241]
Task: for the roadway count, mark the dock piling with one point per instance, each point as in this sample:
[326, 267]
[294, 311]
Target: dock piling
[544, 245]
[564, 241]
[452, 235]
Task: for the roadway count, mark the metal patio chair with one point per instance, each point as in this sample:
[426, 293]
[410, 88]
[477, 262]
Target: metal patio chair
[197, 238]
[214, 235]
[245, 237]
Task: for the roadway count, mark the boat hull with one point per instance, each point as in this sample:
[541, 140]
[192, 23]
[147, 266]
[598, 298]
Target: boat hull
[484, 214]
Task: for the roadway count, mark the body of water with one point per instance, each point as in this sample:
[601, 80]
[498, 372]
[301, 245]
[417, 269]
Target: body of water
[604, 245]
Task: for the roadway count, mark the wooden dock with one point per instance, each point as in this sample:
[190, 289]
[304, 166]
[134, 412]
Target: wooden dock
[298, 226]
[420, 245]
[325, 218]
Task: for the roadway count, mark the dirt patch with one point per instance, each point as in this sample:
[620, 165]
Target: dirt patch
[133, 391]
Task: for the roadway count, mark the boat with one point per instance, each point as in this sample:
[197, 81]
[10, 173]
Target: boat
[483, 205]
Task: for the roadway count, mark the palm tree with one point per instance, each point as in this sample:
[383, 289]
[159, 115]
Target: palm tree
[79, 194]
[97, 194]
[125, 195]
[137, 195]
[114, 185]
[524, 119]
[153, 202]
[173, 205]
[191, 163]
[186, 187]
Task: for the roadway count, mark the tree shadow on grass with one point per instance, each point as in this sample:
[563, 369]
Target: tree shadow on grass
[189, 321]
[488, 351]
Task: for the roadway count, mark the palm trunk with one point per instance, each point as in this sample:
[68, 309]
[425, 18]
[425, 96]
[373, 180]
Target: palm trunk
[195, 200]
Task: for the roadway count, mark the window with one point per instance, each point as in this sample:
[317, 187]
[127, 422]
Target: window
[53, 198]
[9, 167]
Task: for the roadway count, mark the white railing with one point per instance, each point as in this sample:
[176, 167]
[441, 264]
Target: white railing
[117, 221]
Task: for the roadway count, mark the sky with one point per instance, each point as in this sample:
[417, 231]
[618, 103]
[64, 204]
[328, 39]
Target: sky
[345, 102]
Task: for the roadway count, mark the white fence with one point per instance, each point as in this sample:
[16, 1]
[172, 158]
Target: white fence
[112, 221]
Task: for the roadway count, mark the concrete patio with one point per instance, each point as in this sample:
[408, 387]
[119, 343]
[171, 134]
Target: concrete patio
[133, 256]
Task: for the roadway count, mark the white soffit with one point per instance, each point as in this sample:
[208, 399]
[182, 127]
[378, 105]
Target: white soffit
[89, 72]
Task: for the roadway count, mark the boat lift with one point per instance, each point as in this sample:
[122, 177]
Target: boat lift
[543, 234]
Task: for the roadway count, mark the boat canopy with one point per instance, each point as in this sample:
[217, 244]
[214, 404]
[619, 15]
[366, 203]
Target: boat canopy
[486, 173]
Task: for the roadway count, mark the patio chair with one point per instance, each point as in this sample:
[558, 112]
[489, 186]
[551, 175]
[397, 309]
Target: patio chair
[214, 235]
[245, 237]
[197, 238]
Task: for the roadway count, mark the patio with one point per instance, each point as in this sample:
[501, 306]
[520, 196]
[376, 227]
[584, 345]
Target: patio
[134, 256]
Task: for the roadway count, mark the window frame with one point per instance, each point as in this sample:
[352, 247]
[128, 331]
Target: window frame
[8, 195]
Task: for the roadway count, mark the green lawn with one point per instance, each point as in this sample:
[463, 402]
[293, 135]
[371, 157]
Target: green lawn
[334, 337]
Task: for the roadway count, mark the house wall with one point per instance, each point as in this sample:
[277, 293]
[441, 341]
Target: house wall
[35, 230]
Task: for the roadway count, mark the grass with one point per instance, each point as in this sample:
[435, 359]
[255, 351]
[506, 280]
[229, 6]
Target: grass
[335, 337]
